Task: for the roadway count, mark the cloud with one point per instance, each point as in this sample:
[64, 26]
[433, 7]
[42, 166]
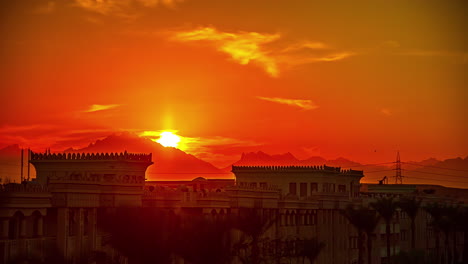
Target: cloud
[218, 150]
[261, 49]
[98, 107]
[386, 111]
[243, 47]
[48, 8]
[123, 8]
[301, 103]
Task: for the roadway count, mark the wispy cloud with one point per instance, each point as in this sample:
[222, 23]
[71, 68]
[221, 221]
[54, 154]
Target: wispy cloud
[301, 103]
[243, 47]
[218, 150]
[98, 107]
[123, 8]
[262, 49]
[386, 111]
[46, 8]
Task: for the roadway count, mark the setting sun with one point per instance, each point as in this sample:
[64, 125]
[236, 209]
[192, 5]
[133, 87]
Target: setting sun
[168, 139]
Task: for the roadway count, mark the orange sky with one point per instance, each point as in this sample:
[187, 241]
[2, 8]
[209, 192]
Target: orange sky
[359, 79]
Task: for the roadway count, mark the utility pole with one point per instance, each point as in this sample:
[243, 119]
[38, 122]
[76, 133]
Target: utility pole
[22, 153]
[29, 163]
[398, 177]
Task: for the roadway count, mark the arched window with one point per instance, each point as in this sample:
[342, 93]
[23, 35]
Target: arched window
[293, 218]
[71, 222]
[15, 225]
[37, 224]
[85, 222]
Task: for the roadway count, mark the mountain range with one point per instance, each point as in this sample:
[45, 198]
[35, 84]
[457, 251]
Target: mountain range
[174, 164]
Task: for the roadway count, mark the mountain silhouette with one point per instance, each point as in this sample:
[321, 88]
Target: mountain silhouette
[287, 159]
[169, 163]
[174, 164]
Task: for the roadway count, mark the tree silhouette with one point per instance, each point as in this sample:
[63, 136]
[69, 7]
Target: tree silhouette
[411, 206]
[436, 211]
[371, 220]
[204, 240]
[143, 235]
[386, 207]
[253, 224]
[462, 220]
[357, 217]
[310, 249]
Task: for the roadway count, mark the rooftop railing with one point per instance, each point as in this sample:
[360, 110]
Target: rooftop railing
[323, 168]
[125, 156]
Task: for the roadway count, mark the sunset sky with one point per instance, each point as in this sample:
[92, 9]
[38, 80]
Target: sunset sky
[357, 79]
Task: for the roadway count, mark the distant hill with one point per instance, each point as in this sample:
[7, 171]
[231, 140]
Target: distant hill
[10, 160]
[286, 159]
[169, 163]
[174, 164]
[450, 172]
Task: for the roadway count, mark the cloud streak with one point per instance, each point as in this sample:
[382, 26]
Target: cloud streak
[301, 103]
[98, 107]
[244, 47]
[122, 8]
[264, 50]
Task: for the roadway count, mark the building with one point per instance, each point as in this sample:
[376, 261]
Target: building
[56, 215]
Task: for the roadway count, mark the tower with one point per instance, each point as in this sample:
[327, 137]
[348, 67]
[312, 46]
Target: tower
[398, 177]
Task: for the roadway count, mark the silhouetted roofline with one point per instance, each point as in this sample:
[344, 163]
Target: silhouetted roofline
[122, 156]
[323, 168]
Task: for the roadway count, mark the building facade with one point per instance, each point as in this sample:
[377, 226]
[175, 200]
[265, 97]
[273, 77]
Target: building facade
[55, 217]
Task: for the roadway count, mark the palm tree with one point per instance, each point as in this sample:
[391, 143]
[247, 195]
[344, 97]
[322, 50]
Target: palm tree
[253, 224]
[143, 235]
[357, 218]
[386, 207]
[204, 241]
[436, 211]
[449, 226]
[462, 219]
[411, 206]
[310, 249]
[371, 221]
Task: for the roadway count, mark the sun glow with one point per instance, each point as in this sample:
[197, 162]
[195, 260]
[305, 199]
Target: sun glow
[168, 139]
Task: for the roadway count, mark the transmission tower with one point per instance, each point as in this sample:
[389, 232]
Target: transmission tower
[398, 177]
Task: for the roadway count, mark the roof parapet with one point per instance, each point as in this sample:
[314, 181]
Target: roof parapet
[323, 168]
[125, 156]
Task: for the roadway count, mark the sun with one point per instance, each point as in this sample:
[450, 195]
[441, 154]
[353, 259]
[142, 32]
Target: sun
[168, 139]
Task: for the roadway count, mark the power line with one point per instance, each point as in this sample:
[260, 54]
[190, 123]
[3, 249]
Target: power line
[379, 171]
[442, 174]
[189, 172]
[364, 165]
[434, 167]
[422, 178]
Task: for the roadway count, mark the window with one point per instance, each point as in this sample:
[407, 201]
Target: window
[253, 184]
[324, 187]
[71, 222]
[292, 188]
[353, 242]
[341, 188]
[314, 187]
[263, 185]
[404, 235]
[303, 189]
[86, 222]
[403, 215]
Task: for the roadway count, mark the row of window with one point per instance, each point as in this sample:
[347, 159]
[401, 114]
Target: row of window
[299, 219]
[314, 187]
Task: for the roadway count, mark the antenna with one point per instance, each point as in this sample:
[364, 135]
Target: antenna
[22, 153]
[398, 177]
[29, 163]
